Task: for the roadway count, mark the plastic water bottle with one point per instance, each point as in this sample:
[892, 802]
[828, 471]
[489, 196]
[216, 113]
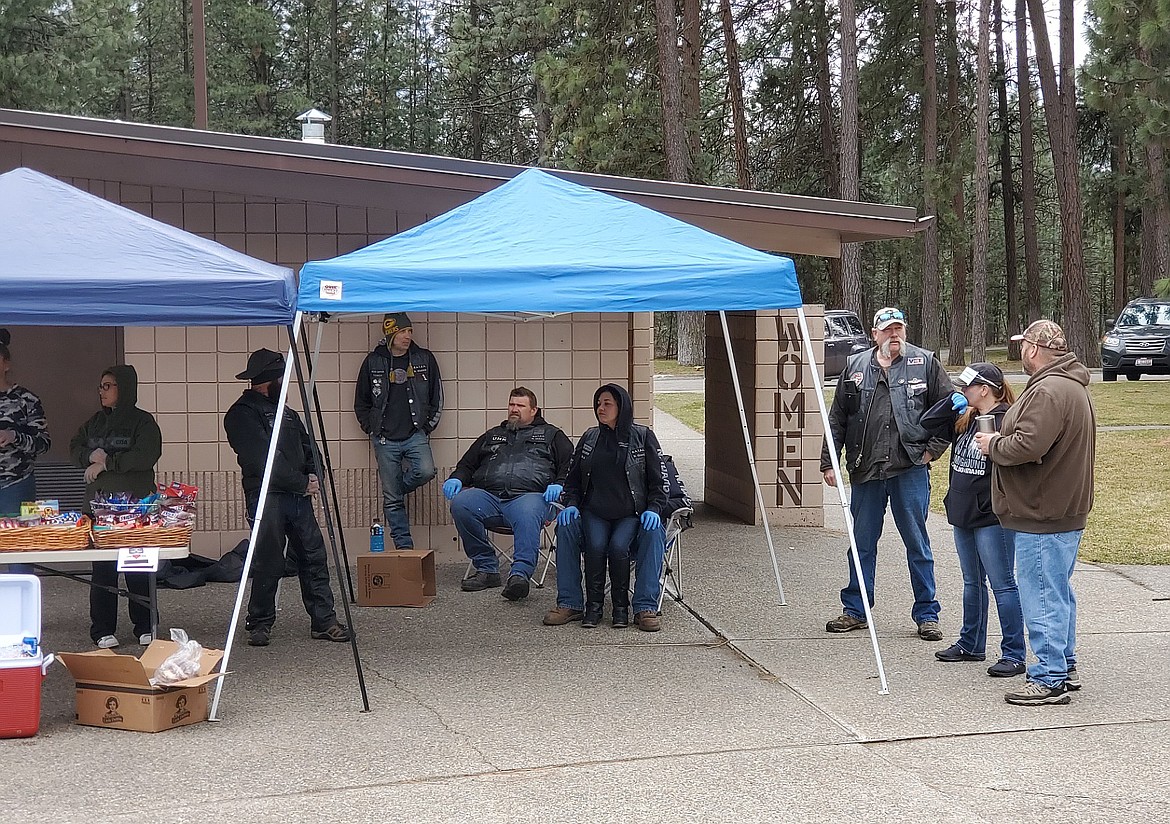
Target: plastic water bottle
[377, 538]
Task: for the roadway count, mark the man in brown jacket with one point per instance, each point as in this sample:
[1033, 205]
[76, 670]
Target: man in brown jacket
[1042, 489]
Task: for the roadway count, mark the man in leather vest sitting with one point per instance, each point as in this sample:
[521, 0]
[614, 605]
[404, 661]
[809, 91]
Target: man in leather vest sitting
[876, 414]
[508, 479]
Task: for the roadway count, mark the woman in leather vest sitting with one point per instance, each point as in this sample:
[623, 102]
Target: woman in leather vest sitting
[617, 480]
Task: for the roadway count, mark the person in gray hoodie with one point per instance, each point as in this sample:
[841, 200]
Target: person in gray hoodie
[1042, 488]
[119, 447]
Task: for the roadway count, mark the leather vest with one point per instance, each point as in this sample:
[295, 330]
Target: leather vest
[909, 382]
[515, 462]
[635, 462]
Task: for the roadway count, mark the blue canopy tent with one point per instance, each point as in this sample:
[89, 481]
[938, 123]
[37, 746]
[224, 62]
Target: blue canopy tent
[541, 245]
[72, 258]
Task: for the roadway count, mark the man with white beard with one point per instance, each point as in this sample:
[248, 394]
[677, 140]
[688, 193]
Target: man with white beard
[876, 414]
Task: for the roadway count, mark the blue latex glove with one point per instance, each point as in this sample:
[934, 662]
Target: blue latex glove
[451, 488]
[567, 515]
[553, 493]
[958, 402]
[650, 520]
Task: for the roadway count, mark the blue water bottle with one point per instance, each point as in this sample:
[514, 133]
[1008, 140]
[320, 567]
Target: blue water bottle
[377, 538]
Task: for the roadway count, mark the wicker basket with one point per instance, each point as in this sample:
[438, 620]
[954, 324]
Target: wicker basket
[40, 538]
[142, 536]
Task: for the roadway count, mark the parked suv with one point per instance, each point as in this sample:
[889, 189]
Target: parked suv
[1138, 342]
[844, 335]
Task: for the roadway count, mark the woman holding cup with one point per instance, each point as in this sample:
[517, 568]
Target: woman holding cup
[986, 550]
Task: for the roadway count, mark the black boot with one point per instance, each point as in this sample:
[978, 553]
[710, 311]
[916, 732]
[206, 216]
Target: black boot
[594, 589]
[619, 589]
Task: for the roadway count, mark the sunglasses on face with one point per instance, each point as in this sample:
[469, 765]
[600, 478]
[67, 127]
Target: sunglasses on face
[895, 314]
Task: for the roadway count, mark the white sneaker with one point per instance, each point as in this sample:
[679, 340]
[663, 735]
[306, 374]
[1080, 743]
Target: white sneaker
[145, 639]
[107, 642]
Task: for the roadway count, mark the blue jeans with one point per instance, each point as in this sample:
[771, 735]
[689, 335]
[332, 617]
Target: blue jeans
[649, 556]
[908, 496]
[475, 511]
[988, 554]
[11, 497]
[1044, 568]
[403, 466]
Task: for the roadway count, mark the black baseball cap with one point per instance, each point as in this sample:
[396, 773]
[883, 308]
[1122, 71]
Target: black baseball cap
[987, 374]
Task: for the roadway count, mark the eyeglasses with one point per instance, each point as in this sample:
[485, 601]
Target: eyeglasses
[106, 387]
[890, 314]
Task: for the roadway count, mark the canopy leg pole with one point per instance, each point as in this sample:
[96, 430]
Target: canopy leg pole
[281, 402]
[877, 653]
[747, 442]
[313, 361]
[357, 659]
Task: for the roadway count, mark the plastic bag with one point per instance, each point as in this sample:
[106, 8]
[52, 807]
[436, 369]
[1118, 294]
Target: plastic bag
[181, 664]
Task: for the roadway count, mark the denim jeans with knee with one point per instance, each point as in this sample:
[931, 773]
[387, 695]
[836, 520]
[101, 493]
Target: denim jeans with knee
[649, 557]
[1044, 569]
[475, 511]
[403, 466]
[908, 496]
[988, 555]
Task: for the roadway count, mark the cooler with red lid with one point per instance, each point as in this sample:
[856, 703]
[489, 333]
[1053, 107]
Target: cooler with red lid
[22, 664]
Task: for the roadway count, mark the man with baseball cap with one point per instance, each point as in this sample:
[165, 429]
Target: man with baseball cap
[1042, 487]
[288, 510]
[398, 402]
[877, 416]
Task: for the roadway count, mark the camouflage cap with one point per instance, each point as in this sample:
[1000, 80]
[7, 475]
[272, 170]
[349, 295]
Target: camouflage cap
[1045, 333]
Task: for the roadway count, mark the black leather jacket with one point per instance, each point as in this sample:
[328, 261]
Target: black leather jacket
[424, 389]
[916, 380]
[509, 463]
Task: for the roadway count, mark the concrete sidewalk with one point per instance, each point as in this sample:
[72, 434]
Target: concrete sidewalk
[740, 710]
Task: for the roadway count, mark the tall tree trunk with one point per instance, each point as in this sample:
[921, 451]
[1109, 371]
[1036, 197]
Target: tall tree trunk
[982, 186]
[930, 251]
[1148, 263]
[828, 133]
[334, 71]
[692, 51]
[735, 86]
[850, 151]
[957, 355]
[1032, 306]
[1060, 112]
[475, 132]
[692, 338]
[1011, 256]
[692, 326]
[674, 140]
[1120, 170]
[1156, 174]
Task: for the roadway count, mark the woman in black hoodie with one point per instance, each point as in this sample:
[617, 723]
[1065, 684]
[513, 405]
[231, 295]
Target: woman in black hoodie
[118, 447]
[617, 481]
[986, 550]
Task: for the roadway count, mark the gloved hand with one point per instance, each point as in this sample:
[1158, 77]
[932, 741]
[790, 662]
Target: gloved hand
[553, 493]
[650, 520]
[451, 488]
[567, 515]
[958, 401]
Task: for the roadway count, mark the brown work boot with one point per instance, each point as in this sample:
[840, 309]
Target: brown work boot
[648, 621]
[560, 616]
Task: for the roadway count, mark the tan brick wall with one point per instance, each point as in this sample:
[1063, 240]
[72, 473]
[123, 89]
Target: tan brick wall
[784, 421]
[187, 378]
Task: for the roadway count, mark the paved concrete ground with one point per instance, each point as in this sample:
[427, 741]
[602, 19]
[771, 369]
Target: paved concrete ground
[739, 710]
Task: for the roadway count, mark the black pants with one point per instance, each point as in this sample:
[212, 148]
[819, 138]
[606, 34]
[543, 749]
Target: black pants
[103, 604]
[290, 517]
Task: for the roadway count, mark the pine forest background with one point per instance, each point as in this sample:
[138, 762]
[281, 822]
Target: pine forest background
[1048, 178]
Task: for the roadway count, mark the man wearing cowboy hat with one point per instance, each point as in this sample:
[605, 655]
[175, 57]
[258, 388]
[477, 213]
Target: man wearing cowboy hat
[398, 402]
[288, 510]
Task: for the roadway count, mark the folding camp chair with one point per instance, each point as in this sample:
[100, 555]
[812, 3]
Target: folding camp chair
[679, 522]
[547, 550]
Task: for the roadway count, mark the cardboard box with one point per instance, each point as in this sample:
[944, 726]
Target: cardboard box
[114, 690]
[401, 578]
